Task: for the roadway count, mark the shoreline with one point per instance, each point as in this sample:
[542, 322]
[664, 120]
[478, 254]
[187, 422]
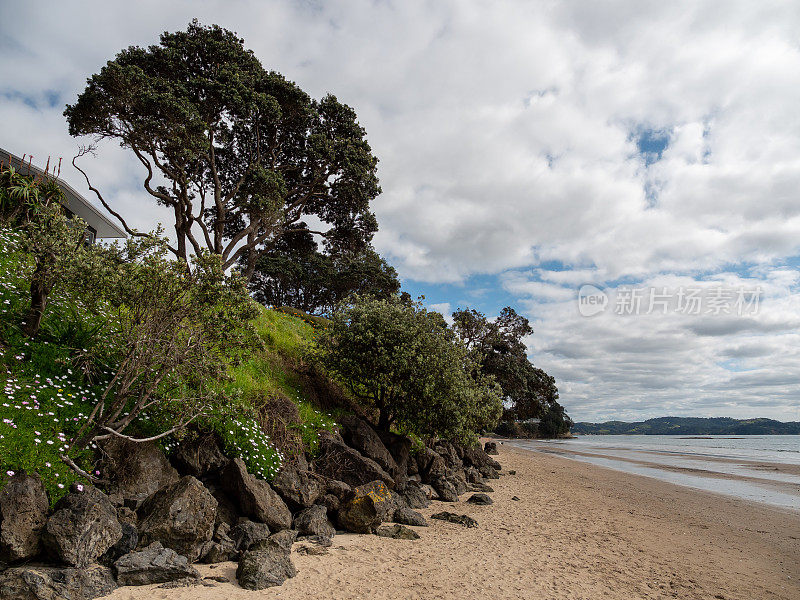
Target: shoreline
[578, 531]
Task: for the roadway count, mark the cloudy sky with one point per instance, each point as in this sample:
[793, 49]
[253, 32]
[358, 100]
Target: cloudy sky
[651, 149]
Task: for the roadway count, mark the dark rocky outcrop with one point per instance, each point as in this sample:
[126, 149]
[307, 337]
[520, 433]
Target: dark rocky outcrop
[314, 521]
[23, 514]
[340, 462]
[127, 543]
[406, 516]
[56, 583]
[480, 487]
[300, 489]
[221, 547]
[154, 564]
[360, 435]
[414, 496]
[430, 464]
[268, 563]
[83, 526]
[399, 446]
[464, 520]
[480, 499]
[200, 457]
[180, 516]
[256, 498]
[490, 448]
[398, 532]
[137, 470]
[247, 533]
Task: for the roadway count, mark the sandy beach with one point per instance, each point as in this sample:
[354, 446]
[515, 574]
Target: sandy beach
[577, 531]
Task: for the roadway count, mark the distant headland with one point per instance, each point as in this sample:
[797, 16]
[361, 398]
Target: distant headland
[690, 426]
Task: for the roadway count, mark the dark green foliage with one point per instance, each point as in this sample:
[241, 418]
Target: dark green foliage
[246, 153]
[407, 364]
[499, 351]
[295, 273]
[691, 426]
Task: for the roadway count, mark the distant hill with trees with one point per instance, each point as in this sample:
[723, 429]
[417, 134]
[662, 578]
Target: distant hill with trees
[690, 426]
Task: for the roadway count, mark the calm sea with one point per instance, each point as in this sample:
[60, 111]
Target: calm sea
[763, 469]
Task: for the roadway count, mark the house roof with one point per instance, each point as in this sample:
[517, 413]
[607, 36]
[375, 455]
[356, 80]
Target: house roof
[73, 201]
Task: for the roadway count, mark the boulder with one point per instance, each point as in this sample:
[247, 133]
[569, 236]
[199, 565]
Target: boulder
[398, 532]
[473, 475]
[490, 448]
[360, 435]
[338, 488]
[399, 446]
[314, 521]
[331, 502]
[154, 564]
[300, 489]
[406, 516]
[221, 548]
[489, 472]
[444, 489]
[358, 515]
[83, 526]
[458, 481]
[430, 464]
[386, 501]
[180, 516]
[127, 543]
[414, 496]
[137, 470]
[475, 456]
[480, 487]
[268, 563]
[226, 508]
[23, 514]
[256, 498]
[339, 461]
[449, 454]
[56, 583]
[247, 533]
[200, 457]
[480, 499]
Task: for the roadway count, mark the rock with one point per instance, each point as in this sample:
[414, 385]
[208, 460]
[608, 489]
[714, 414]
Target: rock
[490, 448]
[399, 446]
[247, 533]
[330, 502]
[464, 520]
[312, 550]
[473, 475]
[83, 526]
[430, 464]
[415, 496]
[137, 470]
[449, 454]
[339, 461]
[184, 582]
[23, 515]
[127, 515]
[358, 515]
[444, 489]
[358, 434]
[338, 488]
[515, 498]
[398, 532]
[318, 540]
[512, 472]
[314, 521]
[480, 499]
[56, 583]
[180, 516]
[218, 578]
[300, 489]
[221, 548]
[201, 457]
[475, 456]
[154, 564]
[386, 501]
[457, 480]
[268, 563]
[226, 508]
[480, 487]
[490, 472]
[406, 516]
[255, 498]
[127, 543]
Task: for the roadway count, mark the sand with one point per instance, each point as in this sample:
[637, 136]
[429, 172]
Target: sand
[577, 532]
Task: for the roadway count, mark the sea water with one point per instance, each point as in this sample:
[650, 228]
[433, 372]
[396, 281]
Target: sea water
[758, 468]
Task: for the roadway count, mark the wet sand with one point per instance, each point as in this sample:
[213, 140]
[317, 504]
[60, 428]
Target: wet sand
[578, 532]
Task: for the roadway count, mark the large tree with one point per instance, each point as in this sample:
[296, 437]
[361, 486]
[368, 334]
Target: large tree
[499, 350]
[238, 153]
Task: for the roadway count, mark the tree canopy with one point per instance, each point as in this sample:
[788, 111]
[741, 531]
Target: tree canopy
[238, 153]
[295, 273]
[408, 365]
[499, 351]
